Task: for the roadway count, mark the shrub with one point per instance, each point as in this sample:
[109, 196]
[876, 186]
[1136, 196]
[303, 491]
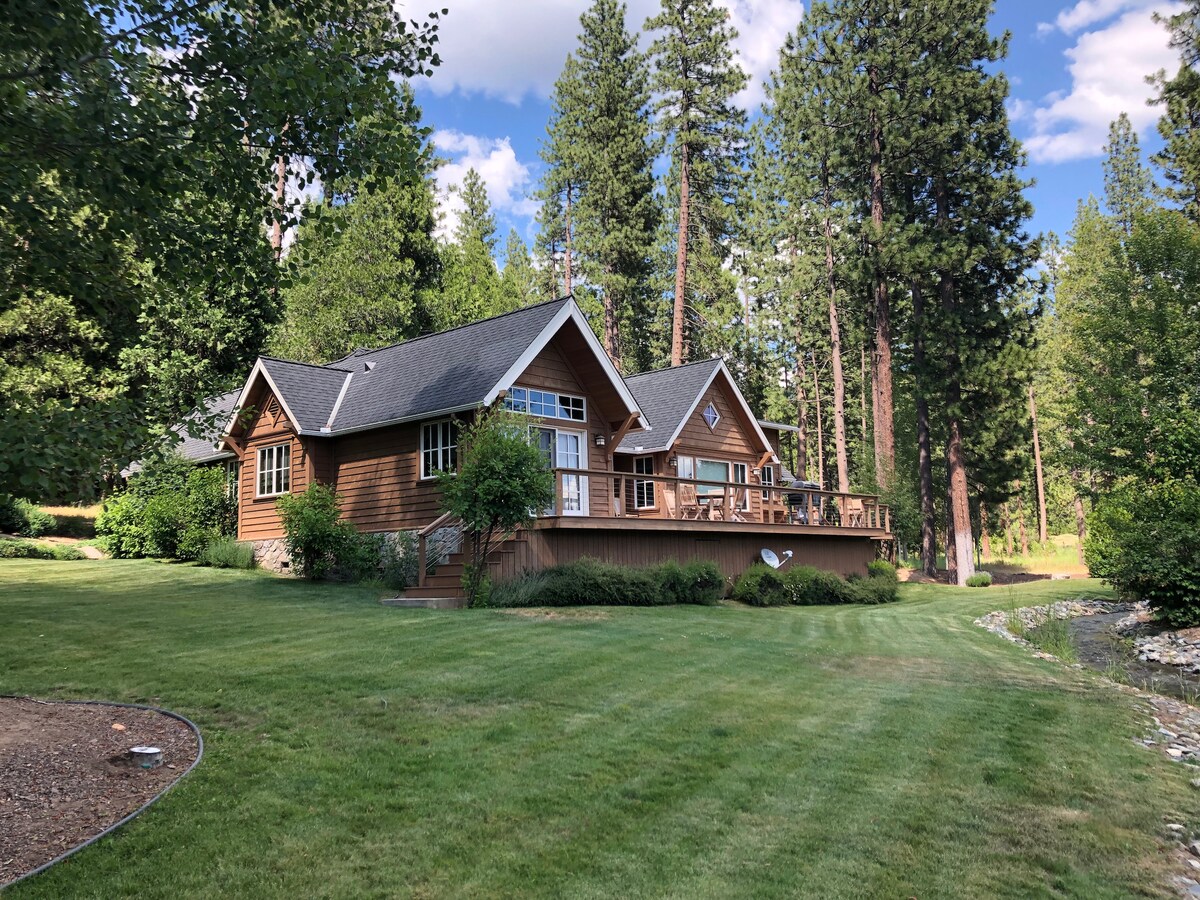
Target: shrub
[316, 536]
[21, 517]
[121, 527]
[881, 568]
[10, 549]
[226, 553]
[398, 560]
[163, 523]
[357, 556]
[761, 585]
[826, 589]
[872, 590]
[980, 579]
[589, 582]
[1144, 540]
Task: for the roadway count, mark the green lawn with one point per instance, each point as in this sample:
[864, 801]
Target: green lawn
[358, 751]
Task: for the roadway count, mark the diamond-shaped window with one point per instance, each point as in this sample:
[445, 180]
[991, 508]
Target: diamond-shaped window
[711, 417]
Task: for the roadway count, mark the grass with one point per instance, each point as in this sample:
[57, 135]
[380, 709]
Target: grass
[362, 751]
[1054, 637]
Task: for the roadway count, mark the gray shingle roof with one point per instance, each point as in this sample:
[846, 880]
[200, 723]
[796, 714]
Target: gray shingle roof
[200, 447]
[309, 391]
[449, 370]
[665, 397]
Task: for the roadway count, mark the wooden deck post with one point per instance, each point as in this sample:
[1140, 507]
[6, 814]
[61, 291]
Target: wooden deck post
[421, 561]
[558, 492]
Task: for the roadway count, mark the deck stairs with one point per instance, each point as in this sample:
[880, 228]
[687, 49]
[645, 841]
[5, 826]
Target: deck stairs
[446, 582]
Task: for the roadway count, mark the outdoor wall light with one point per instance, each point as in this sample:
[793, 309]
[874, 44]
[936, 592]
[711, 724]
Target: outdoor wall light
[600, 440]
[673, 462]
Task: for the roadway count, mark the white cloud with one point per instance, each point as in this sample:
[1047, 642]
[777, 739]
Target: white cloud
[509, 51]
[1090, 12]
[1108, 68]
[506, 177]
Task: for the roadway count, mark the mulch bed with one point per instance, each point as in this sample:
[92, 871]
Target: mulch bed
[65, 774]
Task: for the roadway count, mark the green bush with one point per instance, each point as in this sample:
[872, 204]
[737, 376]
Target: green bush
[589, 582]
[21, 517]
[398, 560]
[315, 535]
[163, 523]
[227, 553]
[761, 585]
[121, 529]
[1144, 540]
[10, 549]
[872, 590]
[980, 579]
[881, 568]
[824, 588]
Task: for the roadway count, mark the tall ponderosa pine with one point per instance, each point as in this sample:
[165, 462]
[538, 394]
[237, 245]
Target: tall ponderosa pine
[599, 143]
[1127, 183]
[520, 283]
[470, 281]
[695, 79]
[1179, 125]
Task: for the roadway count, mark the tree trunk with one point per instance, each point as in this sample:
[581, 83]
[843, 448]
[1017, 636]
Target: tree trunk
[862, 384]
[801, 470]
[280, 200]
[820, 432]
[1021, 521]
[567, 282]
[951, 547]
[1080, 523]
[835, 344]
[1008, 539]
[680, 261]
[924, 447]
[1037, 468]
[985, 537]
[881, 357]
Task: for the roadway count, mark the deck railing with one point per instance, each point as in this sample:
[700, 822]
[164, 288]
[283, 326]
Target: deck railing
[697, 499]
[424, 564]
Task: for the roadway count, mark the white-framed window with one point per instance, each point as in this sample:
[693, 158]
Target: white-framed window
[545, 404]
[740, 475]
[274, 470]
[686, 467]
[643, 490]
[439, 447]
[711, 470]
[711, 417]
[768, 480]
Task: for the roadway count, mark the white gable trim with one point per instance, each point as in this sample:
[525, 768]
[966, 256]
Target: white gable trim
[328, 427]
[720, 368]
[571, 311]
[259, 369]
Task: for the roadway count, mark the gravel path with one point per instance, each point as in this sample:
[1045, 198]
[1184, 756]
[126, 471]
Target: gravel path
[65, 774]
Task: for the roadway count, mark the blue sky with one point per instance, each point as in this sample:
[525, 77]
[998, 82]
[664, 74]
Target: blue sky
[1073, 66]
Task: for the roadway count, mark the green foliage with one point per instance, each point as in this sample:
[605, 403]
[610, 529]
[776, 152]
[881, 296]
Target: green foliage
[1127, 183]
[502, 476]
[163, 523]
[761, 585]
[23, 518]
[316, 535]
[11, 549]
[228, 553]
[980, 579]
[589, 582]
[398, 559]
[120, 527]
[881, 568]
[1144, 540]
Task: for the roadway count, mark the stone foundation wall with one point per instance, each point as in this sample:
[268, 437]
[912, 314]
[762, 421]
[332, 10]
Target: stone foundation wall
[273, 556]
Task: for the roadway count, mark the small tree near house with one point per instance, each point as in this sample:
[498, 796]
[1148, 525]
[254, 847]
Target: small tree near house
[501, 482]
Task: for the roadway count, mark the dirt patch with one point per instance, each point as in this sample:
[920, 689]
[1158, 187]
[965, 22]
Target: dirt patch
[65, 774]
[559, 615]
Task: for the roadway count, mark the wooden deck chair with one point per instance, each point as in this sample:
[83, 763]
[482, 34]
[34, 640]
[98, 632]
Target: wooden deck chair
[668, 498]
[736, 511]
[689, 506]
[855, 514]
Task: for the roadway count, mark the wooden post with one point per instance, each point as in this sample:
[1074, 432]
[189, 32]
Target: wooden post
[558, 492]
[421, 561]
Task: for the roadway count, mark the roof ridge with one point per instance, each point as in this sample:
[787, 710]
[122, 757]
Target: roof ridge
[296, 362]
[432, 334]
[664, 369]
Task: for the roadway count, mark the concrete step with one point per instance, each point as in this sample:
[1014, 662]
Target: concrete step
[433, 601]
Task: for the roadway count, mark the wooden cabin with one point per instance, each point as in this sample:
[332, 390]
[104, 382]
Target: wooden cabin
[668, 464]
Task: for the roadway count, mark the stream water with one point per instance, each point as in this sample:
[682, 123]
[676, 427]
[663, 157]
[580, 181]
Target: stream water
[1099, 648]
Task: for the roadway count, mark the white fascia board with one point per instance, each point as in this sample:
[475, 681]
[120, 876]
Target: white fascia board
[766, 444]
[337, 404]
[420, 417]
[691, 409]
[572, 311]
[260, 369]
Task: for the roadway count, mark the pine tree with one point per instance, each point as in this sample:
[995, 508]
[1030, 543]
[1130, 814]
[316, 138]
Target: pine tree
[599, 143]
[519, 282]
[1127, 183]
[696, 78]
[1179, 125]
[471, 283]
[476, 222]
[559, 188]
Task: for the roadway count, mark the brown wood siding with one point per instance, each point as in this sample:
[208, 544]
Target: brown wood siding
[551, 371]
[258, 518]
[379, 478]
[733, 553]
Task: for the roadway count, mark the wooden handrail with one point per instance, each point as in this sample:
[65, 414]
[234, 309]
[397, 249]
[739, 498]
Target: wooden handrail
[437, 523]
[422, 544]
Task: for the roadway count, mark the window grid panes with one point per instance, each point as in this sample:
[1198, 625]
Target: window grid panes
[739, 475]
[439, 447]
[545, 404]
[274, 470]
[768, 480]
[711, 417]
[643, 491]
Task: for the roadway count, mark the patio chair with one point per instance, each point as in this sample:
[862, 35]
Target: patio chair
[855, 513]
[689, 505]
[739, 500]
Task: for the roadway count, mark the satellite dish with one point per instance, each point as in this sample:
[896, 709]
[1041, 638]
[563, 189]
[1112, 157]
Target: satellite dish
[787, 554]
[768, 556]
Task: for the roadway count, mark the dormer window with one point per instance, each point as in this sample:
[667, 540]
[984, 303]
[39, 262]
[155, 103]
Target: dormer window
[545, 404]
[711, 417]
